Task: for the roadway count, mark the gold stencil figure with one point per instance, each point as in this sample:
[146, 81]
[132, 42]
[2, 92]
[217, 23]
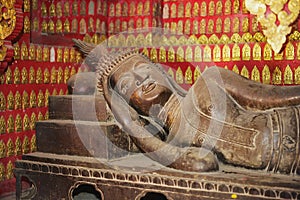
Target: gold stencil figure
[31, 75]
[39, 76]
[255, 74]
[10, 101]
[202, 26]
[32, 100]
[289, 51]
[197, 73]
[25, 100]
[2, 102]
[51, 26]
[26, 123]
[44, 10]
[266, 75]
[24, 51]
[217, 54]
[8, 76]
[227, 25]
[173, 10]
[180, 11]
[33, 144]
[58, 9]
[276, 76]
[18, 101]
[2, 151]
[10, 124]
[207, 54]
[297, 75]
[59, 26]
[236, 6]
[219, 25]
[203, 12]
[31, 52]
[46, 53]
[132, 9]
[53, 75]
[66, 9]
[18, 146]
[26, 25]
[246, 52]
[245, 72]
[74, 26]
[153, 55]
[211, 8]
[140, 9]
[26, 5]
[9, 170]
[2, 128]
[188, 9]
[47, 94]
[52, 10]
[195, 29]
[188, 76]
[171, 55]
[18, 123]
[187, 27]
[25, 145]
[236, 25]
[180, 55]
[189, 54]
[10, 148]
[256, 52]
[41, 99]
[226, 53]
[235, 69]
[179, 76]
[228, 7]
[60, 75]
[32, 121]
[236, 53]
[288, 75]
[83, 8]
[219, 8]
[17, 76]
[66, 74]
[196, 9]
[245, 25]
[147, 8]
[162, 55]
[213, 39]
[36, 25]
[268, 52]
[210, 26]
[17, 51]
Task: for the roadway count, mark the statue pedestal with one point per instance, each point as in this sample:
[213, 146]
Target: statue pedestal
[74, 157]
[58, 176]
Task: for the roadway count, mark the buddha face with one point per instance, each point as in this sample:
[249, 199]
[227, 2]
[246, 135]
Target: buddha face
[142, 85]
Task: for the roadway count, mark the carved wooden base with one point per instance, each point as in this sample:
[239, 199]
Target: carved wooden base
[65, 166]
[136, 177]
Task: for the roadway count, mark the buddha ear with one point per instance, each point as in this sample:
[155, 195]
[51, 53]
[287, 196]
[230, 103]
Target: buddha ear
[91, 52]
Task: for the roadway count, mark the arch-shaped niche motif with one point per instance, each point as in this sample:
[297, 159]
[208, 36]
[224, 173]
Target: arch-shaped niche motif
[88, 190]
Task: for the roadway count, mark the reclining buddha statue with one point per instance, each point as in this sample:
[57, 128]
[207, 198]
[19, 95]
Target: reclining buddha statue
[223, 118]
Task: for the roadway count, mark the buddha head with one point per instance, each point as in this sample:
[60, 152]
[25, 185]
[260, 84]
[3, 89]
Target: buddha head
[145, 86]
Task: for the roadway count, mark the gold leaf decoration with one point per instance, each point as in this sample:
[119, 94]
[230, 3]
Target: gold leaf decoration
[274, 18]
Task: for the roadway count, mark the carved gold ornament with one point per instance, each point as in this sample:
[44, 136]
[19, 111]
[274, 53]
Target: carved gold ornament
[274, 18]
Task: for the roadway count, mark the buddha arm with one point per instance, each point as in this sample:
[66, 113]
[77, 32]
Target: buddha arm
[187, 159]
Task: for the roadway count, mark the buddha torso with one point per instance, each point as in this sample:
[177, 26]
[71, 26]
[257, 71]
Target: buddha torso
[212, 118]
